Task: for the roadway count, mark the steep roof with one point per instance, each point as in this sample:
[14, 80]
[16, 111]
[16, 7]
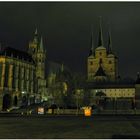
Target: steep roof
[11, 52]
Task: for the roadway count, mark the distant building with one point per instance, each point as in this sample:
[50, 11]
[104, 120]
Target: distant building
[58, 84]
[108, 92]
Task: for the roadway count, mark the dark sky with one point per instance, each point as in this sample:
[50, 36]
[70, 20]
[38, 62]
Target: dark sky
[66, 29]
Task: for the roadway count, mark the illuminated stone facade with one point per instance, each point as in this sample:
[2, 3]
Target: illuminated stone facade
[37, 51]
[22, 75]
[17, 73]
[102, 64]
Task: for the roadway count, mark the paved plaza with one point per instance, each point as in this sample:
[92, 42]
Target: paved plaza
[39, 127]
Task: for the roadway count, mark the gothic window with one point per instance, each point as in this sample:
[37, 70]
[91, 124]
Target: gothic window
[24, 81]
[91, 63]
[110, 62]
[100, 61]
[14, 78]
[100, 53]
[6, 75]
[19, 78]
[111, 69]
[0, 73]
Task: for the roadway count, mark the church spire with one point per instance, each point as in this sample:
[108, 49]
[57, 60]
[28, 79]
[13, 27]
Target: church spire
[92, 45]
[62, 67]
[100, 38]
[36, 31]
[36, 36]
[109, 43]
[41, 47]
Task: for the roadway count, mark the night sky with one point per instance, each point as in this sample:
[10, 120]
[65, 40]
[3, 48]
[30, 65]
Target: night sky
[66, 30]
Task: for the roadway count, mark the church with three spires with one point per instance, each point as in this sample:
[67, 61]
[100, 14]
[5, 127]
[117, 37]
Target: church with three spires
[102, 63]
[103, 79]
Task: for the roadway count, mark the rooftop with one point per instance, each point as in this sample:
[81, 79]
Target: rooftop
[14, 53]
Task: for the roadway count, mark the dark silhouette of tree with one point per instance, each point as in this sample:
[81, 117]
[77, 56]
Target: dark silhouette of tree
[86, 99]
[100, 94]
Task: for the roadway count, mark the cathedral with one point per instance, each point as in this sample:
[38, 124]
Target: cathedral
[22, 75]
[24, 79]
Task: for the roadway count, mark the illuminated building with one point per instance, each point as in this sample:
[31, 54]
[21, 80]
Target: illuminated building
[38, 52]
[102, 75]
[58, 85]
[17, 73]
[102, 64]
[22, 75]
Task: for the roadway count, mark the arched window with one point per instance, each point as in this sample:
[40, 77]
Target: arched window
[91, 63]
[101, 61]
[110, 62]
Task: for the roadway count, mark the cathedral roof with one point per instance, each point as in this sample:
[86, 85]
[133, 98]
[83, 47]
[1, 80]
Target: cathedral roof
[100, 72]
[56, 68]
[11, 52]
[41, 46]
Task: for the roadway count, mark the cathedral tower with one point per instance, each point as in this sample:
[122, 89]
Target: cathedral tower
[102, 63]
[33, 46]
[38, 52]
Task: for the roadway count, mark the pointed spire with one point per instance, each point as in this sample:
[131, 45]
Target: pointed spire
[92, 44]
[41, 44]
[62, 67]
[36, 31]
[100, 39]
[109, 43]
[36, 36]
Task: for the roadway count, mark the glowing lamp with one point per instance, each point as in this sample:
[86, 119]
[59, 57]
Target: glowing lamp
[87, 111]
[41, 110]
